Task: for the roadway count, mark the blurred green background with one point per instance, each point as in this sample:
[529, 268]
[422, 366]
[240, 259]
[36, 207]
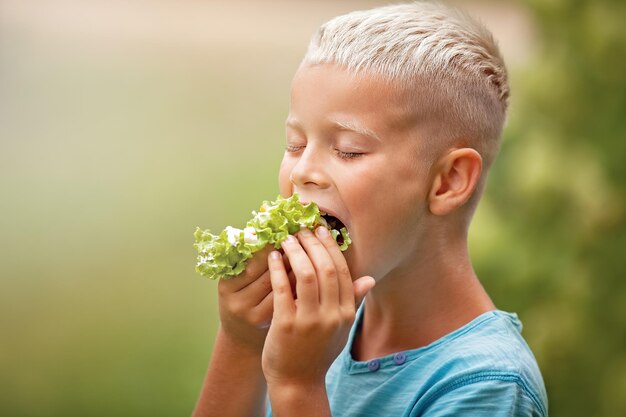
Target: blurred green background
[123, 125]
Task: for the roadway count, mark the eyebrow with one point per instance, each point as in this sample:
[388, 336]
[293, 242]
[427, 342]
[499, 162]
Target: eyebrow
[345, 125]
[352, 126]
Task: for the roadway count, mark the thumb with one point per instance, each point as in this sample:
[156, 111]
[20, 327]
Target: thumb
[361, 287]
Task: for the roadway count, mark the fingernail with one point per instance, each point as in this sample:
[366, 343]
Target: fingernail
[290, 239]
[275, 254]
[304, 231]
[322, 231]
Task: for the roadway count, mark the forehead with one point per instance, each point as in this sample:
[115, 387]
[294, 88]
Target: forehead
[324, 91]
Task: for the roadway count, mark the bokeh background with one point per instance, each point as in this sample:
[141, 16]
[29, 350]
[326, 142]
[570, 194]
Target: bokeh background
[124, 124]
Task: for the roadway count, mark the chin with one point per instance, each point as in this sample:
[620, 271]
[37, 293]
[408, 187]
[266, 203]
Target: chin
[357, 268]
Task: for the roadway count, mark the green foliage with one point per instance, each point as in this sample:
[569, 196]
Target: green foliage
[557, 200]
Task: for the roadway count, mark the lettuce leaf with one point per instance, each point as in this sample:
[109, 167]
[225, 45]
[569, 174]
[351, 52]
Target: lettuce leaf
[225, 255]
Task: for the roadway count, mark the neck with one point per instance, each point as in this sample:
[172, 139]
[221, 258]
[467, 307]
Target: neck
[421, 301]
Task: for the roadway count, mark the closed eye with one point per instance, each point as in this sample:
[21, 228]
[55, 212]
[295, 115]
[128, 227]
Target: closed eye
[348, 155]
[294, 148]
[340, 154]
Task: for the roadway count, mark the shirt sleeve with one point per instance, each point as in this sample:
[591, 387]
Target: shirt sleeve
[487, 398]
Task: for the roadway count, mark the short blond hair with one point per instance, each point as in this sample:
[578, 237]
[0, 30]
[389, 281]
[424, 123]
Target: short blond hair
[448, 61]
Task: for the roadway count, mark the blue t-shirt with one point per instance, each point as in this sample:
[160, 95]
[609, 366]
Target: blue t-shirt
[484, 368]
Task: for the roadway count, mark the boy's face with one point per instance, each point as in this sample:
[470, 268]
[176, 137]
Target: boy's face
[353, 149]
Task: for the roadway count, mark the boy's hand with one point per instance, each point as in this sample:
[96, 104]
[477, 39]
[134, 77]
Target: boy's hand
[309, 332]
[246, 303]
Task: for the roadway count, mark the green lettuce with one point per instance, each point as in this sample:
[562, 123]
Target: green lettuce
[225, 255]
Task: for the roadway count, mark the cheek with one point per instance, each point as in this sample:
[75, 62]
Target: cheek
[284, 184]
[387, 192]
[389, 210]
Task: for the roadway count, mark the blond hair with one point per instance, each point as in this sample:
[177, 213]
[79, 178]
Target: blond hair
[448, 61]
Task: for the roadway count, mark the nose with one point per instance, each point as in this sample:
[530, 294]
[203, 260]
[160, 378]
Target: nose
[310, 170]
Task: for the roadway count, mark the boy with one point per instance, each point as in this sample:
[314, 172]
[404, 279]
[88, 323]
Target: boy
[395, 118]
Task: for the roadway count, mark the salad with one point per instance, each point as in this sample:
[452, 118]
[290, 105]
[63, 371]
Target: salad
[225, 255]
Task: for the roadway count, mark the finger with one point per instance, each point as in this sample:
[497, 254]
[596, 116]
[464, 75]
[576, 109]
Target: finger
[292, 281]
[306, 279]
[324, 267]
[287, 264]
[254, 268]
[282, 297]
[264, 310]
[257, 290]
[361, 287]
[344, 279]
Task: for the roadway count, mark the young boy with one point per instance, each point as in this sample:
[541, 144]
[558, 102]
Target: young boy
[395, 118]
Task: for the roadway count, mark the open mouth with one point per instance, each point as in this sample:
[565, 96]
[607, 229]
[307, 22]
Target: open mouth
[334, 223]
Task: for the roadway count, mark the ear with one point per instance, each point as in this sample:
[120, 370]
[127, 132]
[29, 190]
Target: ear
[455, 180]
